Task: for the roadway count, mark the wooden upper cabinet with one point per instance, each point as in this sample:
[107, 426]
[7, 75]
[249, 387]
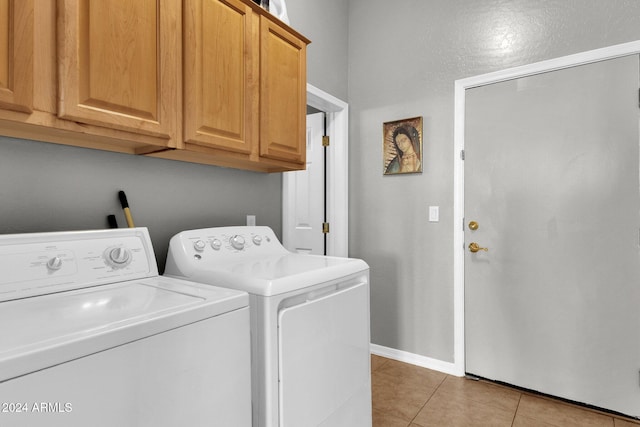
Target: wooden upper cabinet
[16, 55]
[244, 87]
[119, 64]
[218, 82]
[283, 93]
[220, 67]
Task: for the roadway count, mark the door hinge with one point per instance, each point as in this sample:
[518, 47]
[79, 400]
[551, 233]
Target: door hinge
[325, 141]
[325, 227]
[461, 154]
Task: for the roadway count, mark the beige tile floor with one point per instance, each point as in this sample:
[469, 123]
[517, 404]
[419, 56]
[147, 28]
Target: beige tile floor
[406, 395]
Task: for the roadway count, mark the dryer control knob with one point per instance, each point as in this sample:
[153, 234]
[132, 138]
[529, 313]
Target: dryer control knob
[216, 244]
[54, 263]
[237, 242]
[119, 257]
[257, 240]
[199, 245]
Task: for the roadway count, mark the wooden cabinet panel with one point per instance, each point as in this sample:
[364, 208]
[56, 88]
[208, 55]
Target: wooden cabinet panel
[119, 64]
[283, 89]
[244, 88]
[16, 55]
[220, 91]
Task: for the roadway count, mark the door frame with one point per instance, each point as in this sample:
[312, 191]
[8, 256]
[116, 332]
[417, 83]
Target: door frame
[597, 55]
[337, 113]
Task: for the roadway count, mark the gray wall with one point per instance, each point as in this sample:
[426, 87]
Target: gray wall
[325, 24]
[404, 57]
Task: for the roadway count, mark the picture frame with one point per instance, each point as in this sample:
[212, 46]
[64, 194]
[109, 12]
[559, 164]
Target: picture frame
[402, 146]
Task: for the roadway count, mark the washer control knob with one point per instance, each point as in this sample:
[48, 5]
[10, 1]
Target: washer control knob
[54, 263]
[216, 244]
[257, 240]
[119, 257]
[237, 242]
[199, 245]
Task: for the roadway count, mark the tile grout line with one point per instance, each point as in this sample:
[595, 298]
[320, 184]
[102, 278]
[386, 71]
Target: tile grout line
[381, 365]
[513, 421]
[435, 390]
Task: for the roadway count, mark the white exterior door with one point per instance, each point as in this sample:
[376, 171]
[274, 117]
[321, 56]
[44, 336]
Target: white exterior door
[304, 196]
[552, 182]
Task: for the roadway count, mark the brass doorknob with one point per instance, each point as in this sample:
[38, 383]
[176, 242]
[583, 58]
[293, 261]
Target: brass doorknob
[474, 247]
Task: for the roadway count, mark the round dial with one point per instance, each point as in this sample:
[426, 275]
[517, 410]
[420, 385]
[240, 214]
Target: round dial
[199, 245]
[237, 242]
[119, 257]
[257, 240]
[54, 263]
[216, 244]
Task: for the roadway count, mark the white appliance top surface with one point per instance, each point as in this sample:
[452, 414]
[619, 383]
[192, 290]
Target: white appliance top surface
[53, 325]
[52, 318]
[42, 331]
[277, 267]
[265, 268]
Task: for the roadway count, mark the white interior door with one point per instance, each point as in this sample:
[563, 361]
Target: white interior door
[304, 196]
[552, 181]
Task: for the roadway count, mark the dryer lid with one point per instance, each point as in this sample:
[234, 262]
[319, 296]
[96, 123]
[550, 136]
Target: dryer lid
[278, 274]
[282, 266]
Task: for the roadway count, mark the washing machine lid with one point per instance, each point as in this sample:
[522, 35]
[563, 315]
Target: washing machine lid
[277, 274]
[43, 331]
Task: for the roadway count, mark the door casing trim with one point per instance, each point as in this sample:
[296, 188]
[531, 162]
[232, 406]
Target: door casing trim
[596, 55]
[337, 170]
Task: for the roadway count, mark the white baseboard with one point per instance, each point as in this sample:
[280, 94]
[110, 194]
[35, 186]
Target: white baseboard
[415, 359]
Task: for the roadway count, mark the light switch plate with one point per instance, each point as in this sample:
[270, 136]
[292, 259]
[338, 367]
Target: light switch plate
[434, 213]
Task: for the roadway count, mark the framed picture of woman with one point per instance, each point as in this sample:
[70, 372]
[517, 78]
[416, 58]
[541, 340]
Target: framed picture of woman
[402, 146]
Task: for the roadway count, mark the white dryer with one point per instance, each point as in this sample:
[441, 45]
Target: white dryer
[309, 322]
[93, 336]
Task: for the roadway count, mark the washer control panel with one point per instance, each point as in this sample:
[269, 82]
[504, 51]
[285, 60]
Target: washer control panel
[41, 263]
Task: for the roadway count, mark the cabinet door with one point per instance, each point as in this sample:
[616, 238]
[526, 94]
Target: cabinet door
[120, 64]
[220, 72]
[283, 93]
[16, 55]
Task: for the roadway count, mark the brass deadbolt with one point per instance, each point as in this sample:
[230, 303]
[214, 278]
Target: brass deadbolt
[473, 225]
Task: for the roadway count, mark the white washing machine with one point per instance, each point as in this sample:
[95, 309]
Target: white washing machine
[93, 336]
[309, 323]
